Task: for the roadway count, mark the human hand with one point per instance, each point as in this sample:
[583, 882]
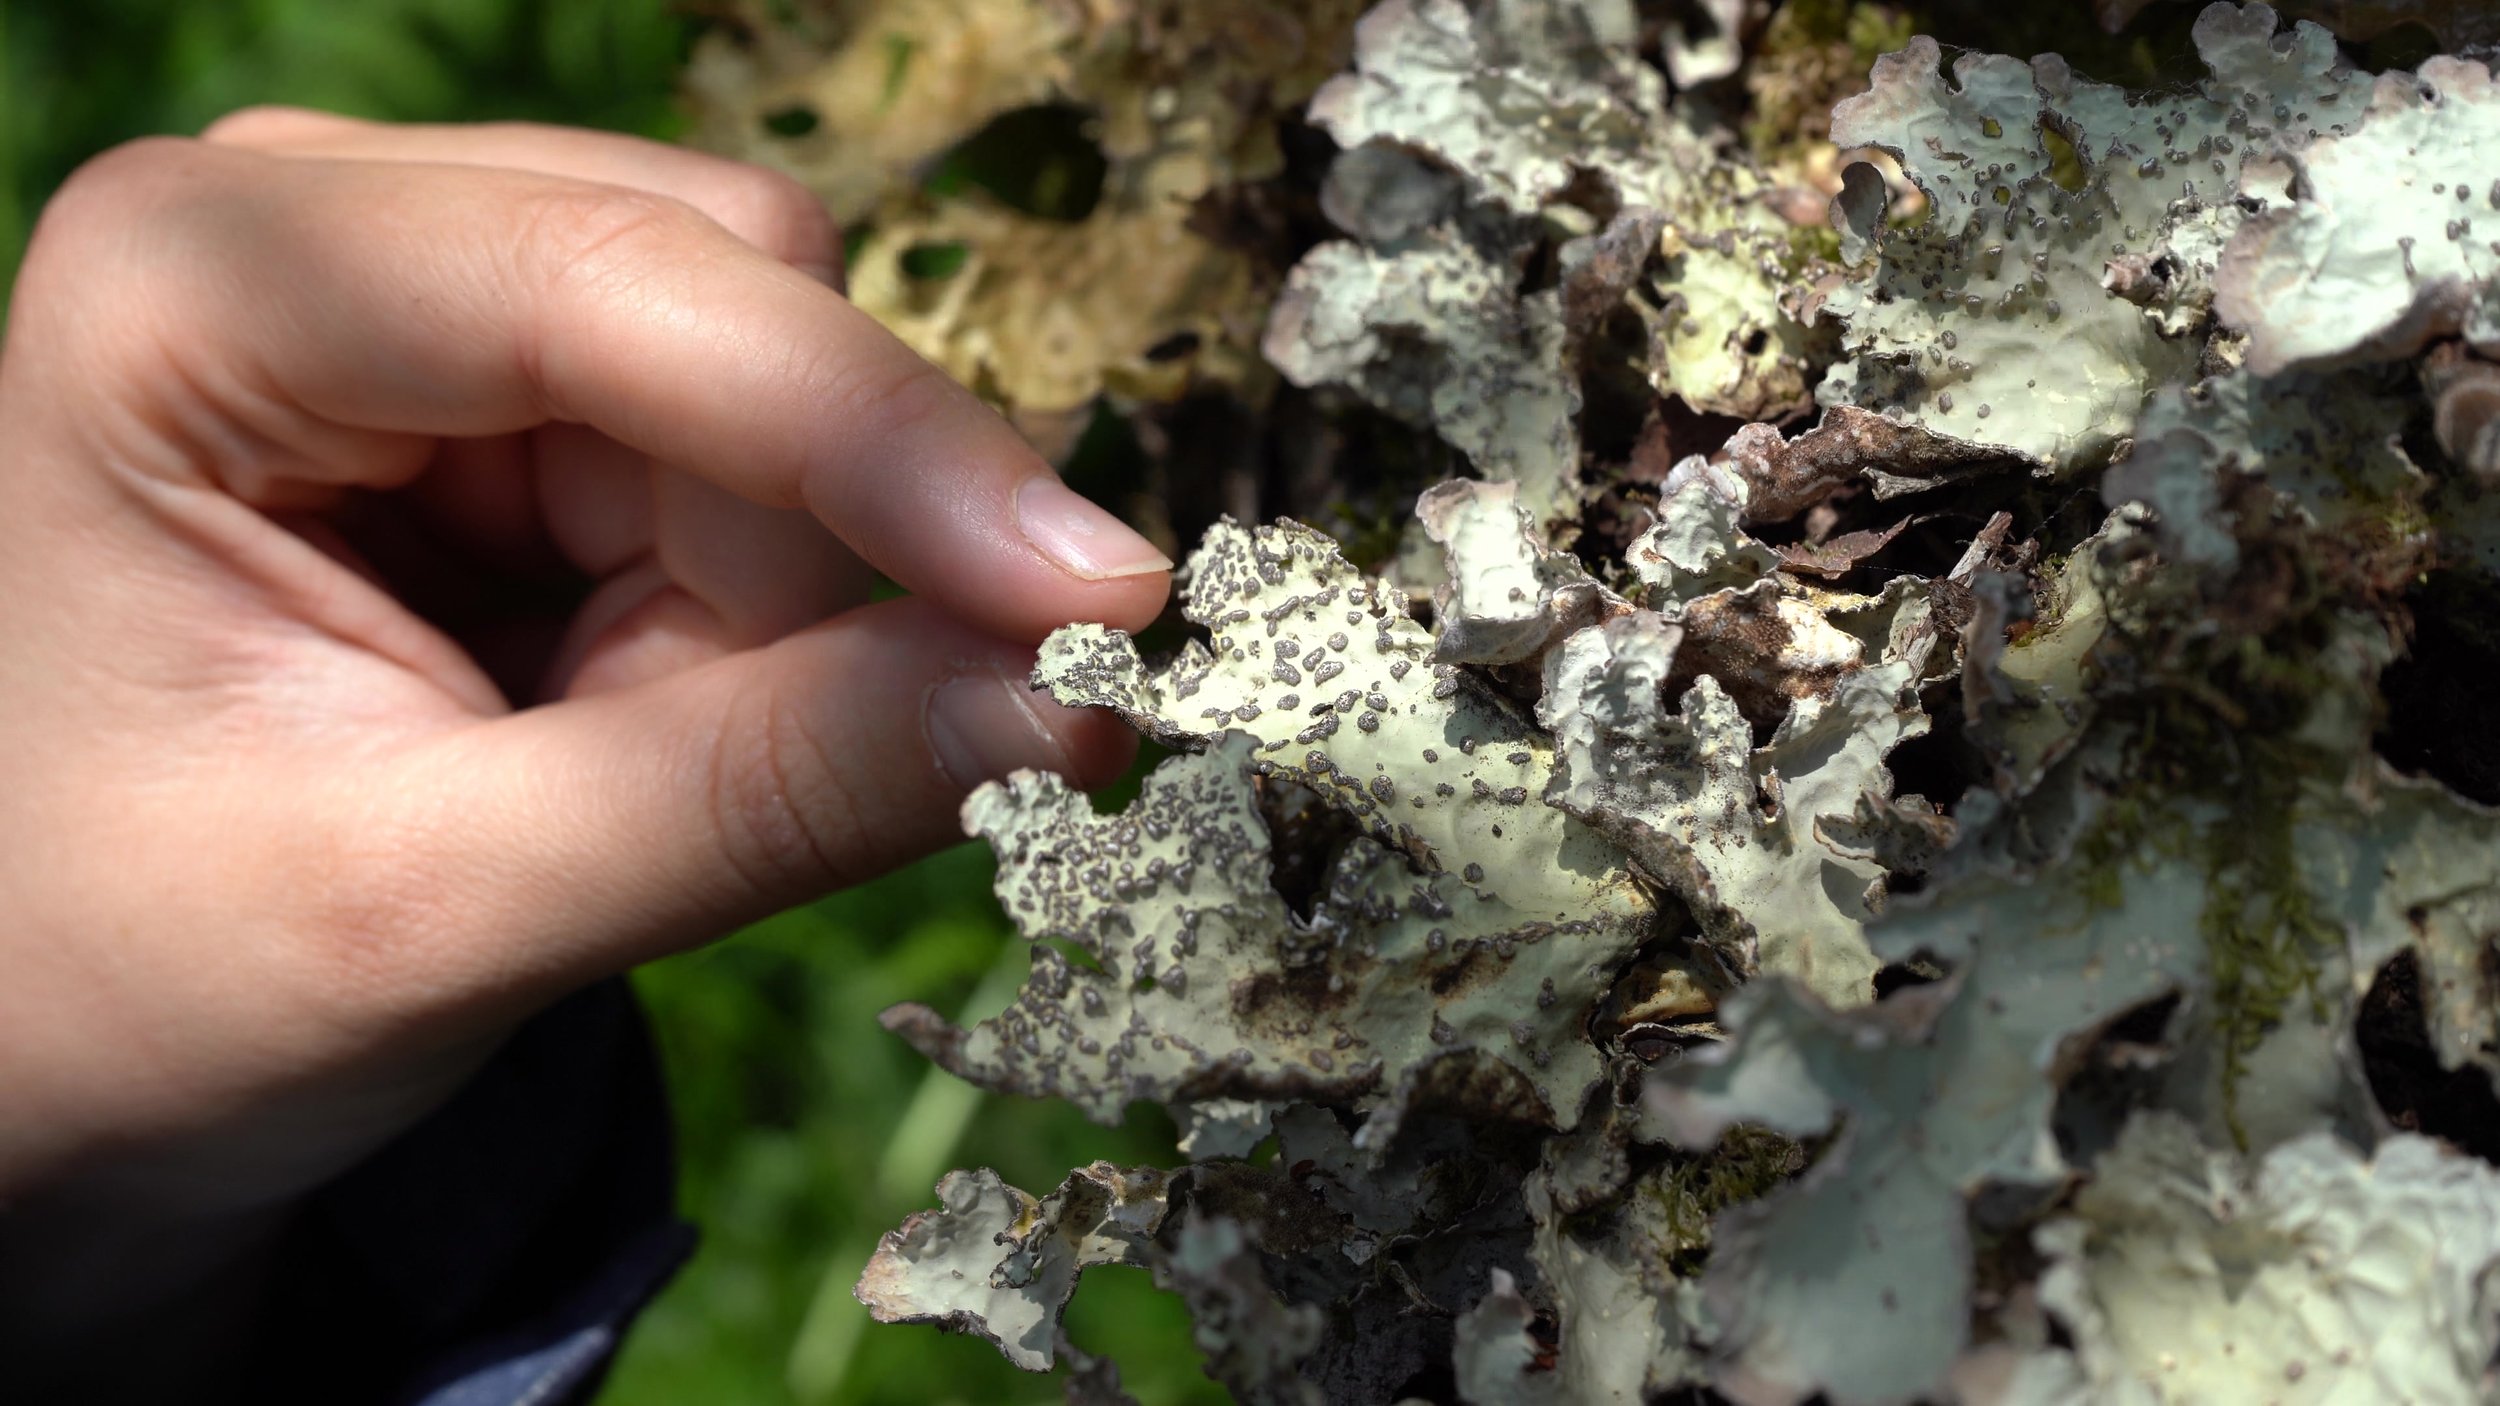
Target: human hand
[280, 859]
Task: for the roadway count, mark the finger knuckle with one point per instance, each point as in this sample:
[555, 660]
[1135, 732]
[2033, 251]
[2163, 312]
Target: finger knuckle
[105, 263]
[605, 236]
[886, 399]
[112, 191]
[788, 818]
[262, 122]
[783, 216]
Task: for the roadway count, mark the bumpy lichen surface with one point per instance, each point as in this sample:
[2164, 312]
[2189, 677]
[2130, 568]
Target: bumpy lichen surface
[1934, 838]
[1535, 113]
[2314, 1275]
[2375, 252]
[2066, 213]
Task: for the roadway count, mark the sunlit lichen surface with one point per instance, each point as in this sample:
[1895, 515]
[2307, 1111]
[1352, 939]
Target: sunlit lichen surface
[1829, 733]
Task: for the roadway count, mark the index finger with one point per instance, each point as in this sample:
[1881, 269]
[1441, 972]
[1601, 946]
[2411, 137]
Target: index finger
[438, 300]
[766, 208]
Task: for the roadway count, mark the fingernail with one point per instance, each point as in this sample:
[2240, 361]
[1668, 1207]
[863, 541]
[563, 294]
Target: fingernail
[981, 726]
[1086, 541]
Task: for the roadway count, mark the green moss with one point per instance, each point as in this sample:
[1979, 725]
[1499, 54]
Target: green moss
[2109, 850]
[1690, 1192]
[1875, 30]
[1368, 534]
[1812, 54]
[2264, 938]
[2265, 941]
[1870, 30]
[1810, 244]
[2220, 763]
[2215, 788]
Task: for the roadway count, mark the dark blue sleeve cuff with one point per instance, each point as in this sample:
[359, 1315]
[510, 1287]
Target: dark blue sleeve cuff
[494, 1254]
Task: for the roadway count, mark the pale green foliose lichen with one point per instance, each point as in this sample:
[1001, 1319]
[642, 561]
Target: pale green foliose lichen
[1697, 548]
[2310, 1276]
[2377, 250]
[1508, 595]
[1468, 919]
[994, 1261]
[1435, 333]
[1197, 981]
[1731, 829]
[2110, 262]
[1931, 1099]
[2328, 446]
[1462, 128]
[2056, 918]
[1809, 911]
[1454, 83]
[1335, 687]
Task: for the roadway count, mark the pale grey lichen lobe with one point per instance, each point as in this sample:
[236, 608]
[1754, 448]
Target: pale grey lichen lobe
[1464, 129]
[2067, 214]
[1336, 687]
[2312, 1274]
[1931, 1100]
[1684, 791]
[1732, 948]
[995, 1262]
[2389, 237]
[1436, 332]
[1469, 920]
[1509, 597]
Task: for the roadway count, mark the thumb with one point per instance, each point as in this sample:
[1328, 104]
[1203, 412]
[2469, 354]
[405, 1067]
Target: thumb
[563, 843]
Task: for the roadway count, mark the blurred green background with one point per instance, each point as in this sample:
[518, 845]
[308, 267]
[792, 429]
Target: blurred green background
[804, 1130]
